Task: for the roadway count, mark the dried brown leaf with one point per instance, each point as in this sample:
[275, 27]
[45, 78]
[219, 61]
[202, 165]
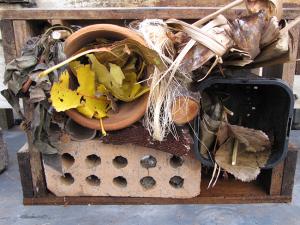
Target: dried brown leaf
[271, 7]
[248, 164]
[247, 32]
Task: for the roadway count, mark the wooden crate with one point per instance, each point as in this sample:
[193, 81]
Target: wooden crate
[18, 25]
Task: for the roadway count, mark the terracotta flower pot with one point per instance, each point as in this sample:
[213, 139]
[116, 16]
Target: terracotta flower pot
[128, 113]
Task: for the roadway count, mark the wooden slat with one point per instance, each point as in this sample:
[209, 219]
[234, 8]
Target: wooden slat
[8, 40]
[276, 179]
[25, 171]
[289, 172]
[153, 201]
[125, 13]
[22, 33]
[37, 170]
[289, 69]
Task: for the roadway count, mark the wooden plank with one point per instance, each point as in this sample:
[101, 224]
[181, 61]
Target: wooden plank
[25, 171]
[8, 40]
[276, 179]
[143, 3]
[286, 72]
[37, 170]
[126, 13]
[22, 33]
[289, 69]
[289, 172]
[153, 201]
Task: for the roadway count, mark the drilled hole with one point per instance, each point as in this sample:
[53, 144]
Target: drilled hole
[67, 160]
[148, 161]
[176, 161]
[120, 162]
[92, 160]
[148, 182]
[120, 181]
[176, 182]
[67, 179]
[93, 180]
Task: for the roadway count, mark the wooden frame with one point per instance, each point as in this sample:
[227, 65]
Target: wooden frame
[17, 26]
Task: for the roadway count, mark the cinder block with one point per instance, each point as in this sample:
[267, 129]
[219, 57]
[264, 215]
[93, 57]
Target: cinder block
[92, 168]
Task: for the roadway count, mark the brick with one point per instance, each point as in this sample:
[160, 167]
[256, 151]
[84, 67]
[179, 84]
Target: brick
[77, 168]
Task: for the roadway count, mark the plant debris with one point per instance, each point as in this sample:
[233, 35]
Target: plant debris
[248, 163]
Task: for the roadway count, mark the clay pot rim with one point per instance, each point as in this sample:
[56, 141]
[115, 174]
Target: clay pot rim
[143, 100]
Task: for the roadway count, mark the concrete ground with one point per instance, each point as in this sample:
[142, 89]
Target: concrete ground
[13, 212]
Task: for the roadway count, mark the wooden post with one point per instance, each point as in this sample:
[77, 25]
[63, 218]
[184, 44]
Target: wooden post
[286, 72]
[8, 40]
[22, 32]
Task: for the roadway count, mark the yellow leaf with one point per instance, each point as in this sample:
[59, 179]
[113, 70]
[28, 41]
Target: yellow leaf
[112, 82]
[75, 65]
[64, 79]
[101, 89]
[102, 73]
[94, 107]
[62, 97]
[116, 74]
[86, 80]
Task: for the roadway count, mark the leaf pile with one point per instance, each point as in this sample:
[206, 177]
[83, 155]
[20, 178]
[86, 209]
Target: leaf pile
[113, 74]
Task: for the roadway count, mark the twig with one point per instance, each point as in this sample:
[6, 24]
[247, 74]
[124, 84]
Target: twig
[213, 15]
[218, 174]
[234, 151]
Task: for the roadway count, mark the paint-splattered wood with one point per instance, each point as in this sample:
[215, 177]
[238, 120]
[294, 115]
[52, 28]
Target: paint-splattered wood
[126, 13]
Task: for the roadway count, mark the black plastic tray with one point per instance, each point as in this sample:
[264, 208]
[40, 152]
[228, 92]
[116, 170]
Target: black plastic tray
[265, 104]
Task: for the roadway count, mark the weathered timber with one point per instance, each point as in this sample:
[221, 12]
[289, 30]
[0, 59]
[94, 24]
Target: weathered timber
[126, 13]
[25, 171]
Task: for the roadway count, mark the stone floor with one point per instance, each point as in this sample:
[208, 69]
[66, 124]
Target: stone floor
[13, 212]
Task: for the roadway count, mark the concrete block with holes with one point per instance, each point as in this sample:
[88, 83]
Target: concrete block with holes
[92, 168]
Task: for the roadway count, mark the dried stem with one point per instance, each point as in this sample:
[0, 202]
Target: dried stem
[234, 151]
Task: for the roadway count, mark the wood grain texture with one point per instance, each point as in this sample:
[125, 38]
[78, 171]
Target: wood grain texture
[8, 40]
[126, 13]
[153, 201]
[289, 172]
[37, 170]
[25, 171]
[276, 179]
[289, 69]
[22, 33]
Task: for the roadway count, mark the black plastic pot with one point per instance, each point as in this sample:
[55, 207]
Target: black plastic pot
[264, 104]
